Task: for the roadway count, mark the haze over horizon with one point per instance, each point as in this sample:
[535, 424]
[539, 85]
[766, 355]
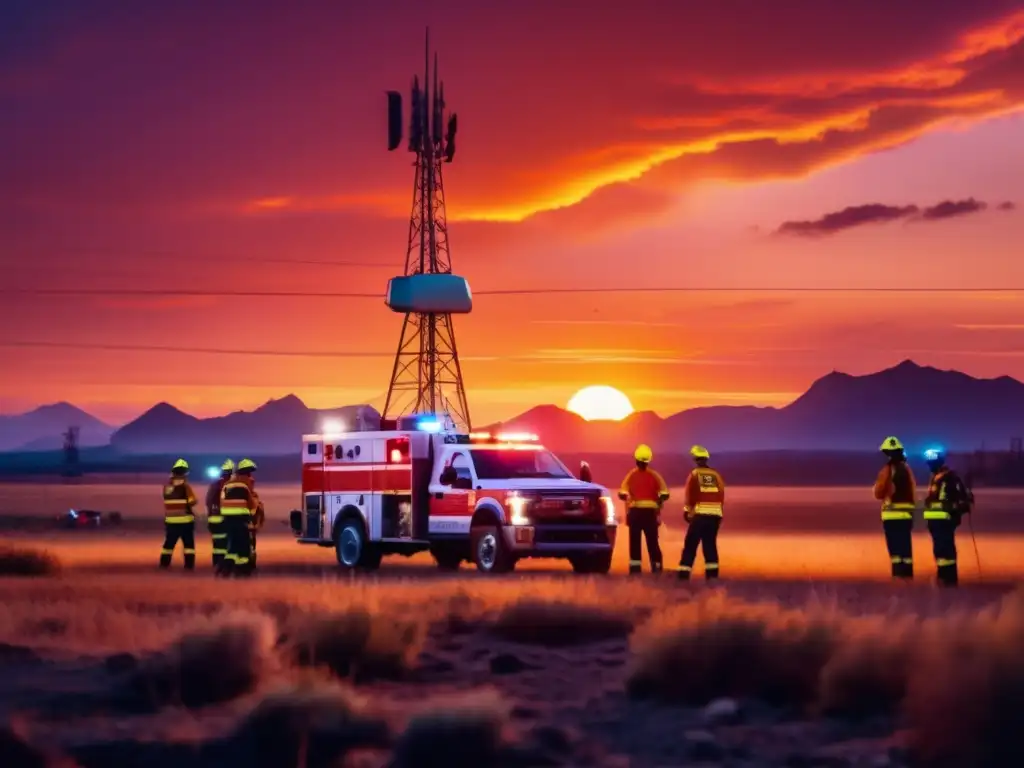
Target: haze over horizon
[191, 147]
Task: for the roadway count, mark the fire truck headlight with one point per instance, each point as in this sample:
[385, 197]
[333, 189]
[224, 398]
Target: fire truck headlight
[517, 509]
[610, 517]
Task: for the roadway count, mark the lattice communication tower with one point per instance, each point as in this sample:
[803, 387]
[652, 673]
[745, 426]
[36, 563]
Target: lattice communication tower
[427, 377]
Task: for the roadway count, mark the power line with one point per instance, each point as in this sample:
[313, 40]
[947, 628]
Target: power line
[191, 350]
[198, 293]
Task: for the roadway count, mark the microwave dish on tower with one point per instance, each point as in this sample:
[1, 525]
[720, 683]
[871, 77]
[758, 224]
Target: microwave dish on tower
[427, 377]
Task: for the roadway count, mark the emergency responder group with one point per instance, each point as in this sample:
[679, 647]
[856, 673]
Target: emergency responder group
[645, 492]
[234, 515]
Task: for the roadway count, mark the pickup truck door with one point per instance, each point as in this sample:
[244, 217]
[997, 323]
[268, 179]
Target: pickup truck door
[451, 507]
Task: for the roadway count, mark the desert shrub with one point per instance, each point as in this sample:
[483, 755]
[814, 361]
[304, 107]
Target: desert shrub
[560, 623]
[355, 643]
[469, 733]
[963, 698]
[867, 674]
[312, 724]
[712, 648]
[206, 666]
[21, 561]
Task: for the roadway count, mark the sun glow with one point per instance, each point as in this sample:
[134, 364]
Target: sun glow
[600, 403]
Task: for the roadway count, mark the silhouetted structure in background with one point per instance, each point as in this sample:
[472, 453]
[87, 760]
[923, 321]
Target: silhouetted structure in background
[997, 468]
[72, 468]
[427, 362]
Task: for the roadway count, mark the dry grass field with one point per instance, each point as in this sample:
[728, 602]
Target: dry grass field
[804, 655]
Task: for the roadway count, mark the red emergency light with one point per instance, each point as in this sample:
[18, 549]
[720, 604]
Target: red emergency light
[503, 437]
[397, 450]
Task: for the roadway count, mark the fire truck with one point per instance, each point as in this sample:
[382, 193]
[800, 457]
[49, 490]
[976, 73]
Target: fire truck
[487, 499]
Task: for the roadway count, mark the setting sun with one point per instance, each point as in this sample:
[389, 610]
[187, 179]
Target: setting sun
[600, 403]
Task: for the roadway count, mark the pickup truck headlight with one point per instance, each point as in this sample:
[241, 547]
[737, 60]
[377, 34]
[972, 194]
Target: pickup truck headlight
[610, 517]
[517, 509]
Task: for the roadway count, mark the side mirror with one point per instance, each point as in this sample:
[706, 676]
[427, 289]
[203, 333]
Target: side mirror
[448, 476]
[585, 474]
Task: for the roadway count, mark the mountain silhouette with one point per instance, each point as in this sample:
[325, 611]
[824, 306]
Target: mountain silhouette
[276, 427]
[43, 429]
[921, 405]
[839, 412]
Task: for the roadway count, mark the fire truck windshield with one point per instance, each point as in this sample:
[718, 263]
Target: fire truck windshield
[498, 464]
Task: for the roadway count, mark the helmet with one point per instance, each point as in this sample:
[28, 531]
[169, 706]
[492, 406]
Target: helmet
[246, 464]
[700, 452]
[643, 453]
[891, 444]
[227, 466]
[180, 465]
[935, 456]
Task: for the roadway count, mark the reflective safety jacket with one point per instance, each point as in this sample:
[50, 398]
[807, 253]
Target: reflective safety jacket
[896, 489]
[705, 492]
[213, 516]
[947, 498]
[239, 497]
[643, 489]
[179, 498]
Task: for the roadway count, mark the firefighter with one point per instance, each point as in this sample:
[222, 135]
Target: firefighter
[644, 491]
[179, 520]
[947, 502]
[239, 503]
[896, 489]
[214, 520]
[702, 509]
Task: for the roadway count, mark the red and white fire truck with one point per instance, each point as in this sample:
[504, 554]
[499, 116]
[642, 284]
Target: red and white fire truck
[489, 499]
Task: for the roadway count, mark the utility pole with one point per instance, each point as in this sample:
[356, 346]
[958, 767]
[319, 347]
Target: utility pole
[427, 377]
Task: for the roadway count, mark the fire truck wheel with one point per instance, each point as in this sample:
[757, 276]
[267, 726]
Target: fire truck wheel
[352, 549]
[489, 552]
[600, 562]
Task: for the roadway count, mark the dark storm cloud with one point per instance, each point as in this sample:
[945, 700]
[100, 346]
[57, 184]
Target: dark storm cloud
[879, 213]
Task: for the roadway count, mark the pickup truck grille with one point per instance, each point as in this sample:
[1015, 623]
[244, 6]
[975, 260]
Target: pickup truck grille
[566, 508]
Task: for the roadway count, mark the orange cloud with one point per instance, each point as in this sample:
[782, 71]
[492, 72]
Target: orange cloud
[742, 126]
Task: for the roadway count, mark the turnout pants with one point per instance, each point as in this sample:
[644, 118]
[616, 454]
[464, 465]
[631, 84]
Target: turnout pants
[703, 530]
[187, 533]
[238, 557]
[944, 547]
[900, 545]
[643, 523]
[252, 549]
[219, 537]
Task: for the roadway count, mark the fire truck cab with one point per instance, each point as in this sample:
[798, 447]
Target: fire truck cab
[488, 499]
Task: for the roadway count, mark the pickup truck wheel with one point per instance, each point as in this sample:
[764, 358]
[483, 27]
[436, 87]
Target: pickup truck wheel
[489, 552]
[353, 550]
[599, 562]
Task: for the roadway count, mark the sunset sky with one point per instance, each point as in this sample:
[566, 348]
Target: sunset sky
[736, 144]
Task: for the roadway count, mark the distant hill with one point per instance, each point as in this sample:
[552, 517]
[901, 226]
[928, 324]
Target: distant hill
[839, 412]
[274, 428]
[43, 428]
[919, 404]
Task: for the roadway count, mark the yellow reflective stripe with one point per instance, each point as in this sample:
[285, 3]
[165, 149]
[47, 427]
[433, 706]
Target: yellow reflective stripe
[708, 508]
[710, 566]
[891, 515]
[216, 536]
[176, 519]
[237, 513]
[176, 502]
[935, 514]
[190, 551]
[636, 562]
[685, 568]
[166, 551]
[220, 551]
[942, 563]
[644, 505]
[215, 519]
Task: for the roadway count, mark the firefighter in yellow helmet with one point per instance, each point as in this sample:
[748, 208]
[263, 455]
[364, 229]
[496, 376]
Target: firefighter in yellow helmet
[240, 506]
[644, 491]
[214, 519]
[179, 519]
[703, 505]
[896, 488]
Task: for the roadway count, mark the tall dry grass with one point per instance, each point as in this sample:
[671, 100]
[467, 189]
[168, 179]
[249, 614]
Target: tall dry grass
[952, 676]
[25, 561]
